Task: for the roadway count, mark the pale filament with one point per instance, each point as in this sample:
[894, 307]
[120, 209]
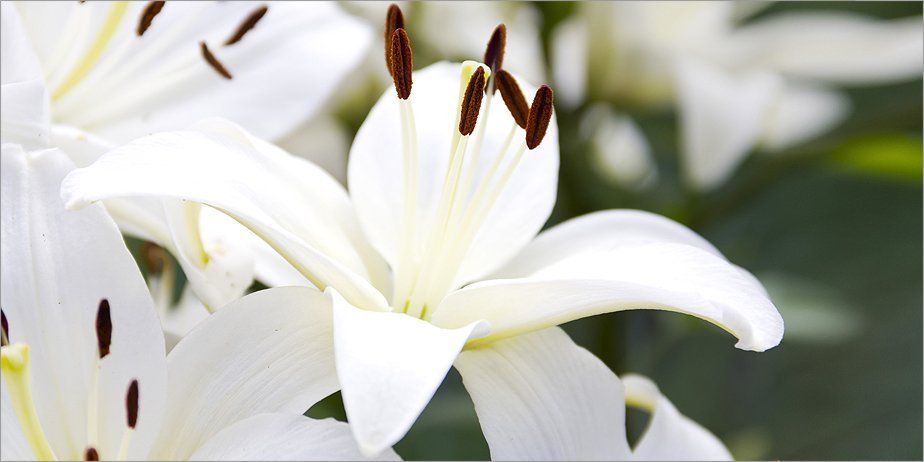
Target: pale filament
[14, 360]
[458, 217]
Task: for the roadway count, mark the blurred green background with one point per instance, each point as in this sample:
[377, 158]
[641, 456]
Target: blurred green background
[833, 229]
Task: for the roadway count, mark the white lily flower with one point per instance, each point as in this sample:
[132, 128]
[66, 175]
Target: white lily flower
[84, 373]
[103, 73]
[450, 191]
[764, 84]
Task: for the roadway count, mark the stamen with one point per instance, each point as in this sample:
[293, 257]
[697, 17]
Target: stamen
[249, 23]
[131, 404]
[103, 328]
[14, 362]
[402, 63]
[394, 20]
[91, 454]
[471, 102]
[214, 62]
[131, 413]
[150, 11]
[540, 113]
[494, 53]
[513, 97]
[4, 330]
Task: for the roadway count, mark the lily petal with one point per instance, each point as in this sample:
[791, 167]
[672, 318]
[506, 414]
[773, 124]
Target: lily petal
[290, 203]
[721, 118]
[390, 365]
[284, 437]
[837, 47]
[599, 232]
[57, 266]
[24, 108]
[665, 276]
[540, 396]
[270, 351]
[670, 435]
[375, 172]
[159, 81]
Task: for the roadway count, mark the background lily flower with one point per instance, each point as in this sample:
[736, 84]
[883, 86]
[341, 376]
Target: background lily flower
[764, 84]
[485, 278]
[103, 73]
[84, 372]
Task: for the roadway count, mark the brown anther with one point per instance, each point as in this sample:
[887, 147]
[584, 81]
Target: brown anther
[103, 328]
[152, 257]
[147, 16]
[402, 63]
[131, 404]
[471, 102]
[540, 113]
[494, 53]
[213, 61]
[513, 97]
[5, 332]
[91, 454]
[394, 20]
[249, 23]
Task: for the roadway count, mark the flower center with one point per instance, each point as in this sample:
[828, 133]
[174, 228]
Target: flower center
[14, 362]
[432, 253]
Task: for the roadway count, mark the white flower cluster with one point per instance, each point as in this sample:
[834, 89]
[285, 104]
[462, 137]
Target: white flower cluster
[157, 120]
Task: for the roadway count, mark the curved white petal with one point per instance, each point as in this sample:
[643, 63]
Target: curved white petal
[13, 444]
[539, 396]
[837, 47]
[721, 118]
[271, 351]
[160, 80]
[323, 140]
[290, 203]
[24, 103]
[800, 113]
[284, 437]
[599, 232]
[376, 175]
[179, 320]
[57, 266]
[390, 365]
[665, 276]
[670, 435]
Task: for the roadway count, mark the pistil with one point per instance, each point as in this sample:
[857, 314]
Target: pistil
[14, 361]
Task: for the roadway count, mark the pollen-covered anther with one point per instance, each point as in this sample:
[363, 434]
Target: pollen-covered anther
[494, 53]
[213, 61]
[103, 328]
[540, 113]
[131, 404]
[147, 16]
[249, 23]
[402, 63]
[394, 20]
[513, 97]
[91, 454]
[4, 330]
[471, 102]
